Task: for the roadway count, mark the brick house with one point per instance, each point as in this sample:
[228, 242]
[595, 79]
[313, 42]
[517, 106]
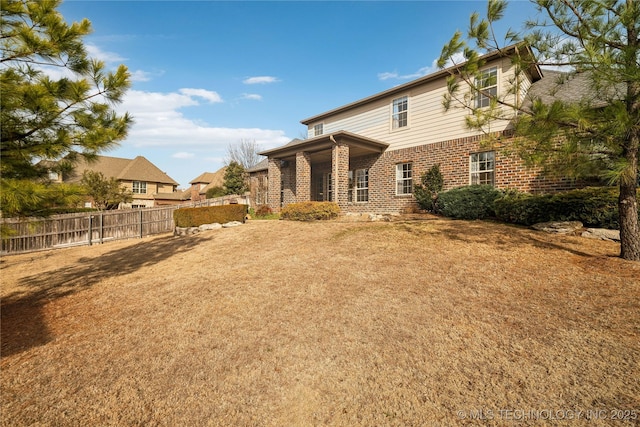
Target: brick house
[367, 155]
[205, 181]
[138, 175]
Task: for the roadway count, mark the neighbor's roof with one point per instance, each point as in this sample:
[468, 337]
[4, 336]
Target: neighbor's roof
[534, 71]
[138, 169]
[261, 166]
[176, 195]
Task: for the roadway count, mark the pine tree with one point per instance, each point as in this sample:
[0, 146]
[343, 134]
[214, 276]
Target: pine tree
[235, 181]
[47, 118]
[598, 41]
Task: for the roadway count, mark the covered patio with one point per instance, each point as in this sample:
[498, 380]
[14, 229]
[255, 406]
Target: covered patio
[318, 169]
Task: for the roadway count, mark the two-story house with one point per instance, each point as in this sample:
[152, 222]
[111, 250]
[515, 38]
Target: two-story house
[144, 179]
[368, 155]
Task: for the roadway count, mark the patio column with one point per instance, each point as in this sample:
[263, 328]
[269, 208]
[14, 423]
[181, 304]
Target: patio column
[303, 176]
[340, 173]
[275, 179]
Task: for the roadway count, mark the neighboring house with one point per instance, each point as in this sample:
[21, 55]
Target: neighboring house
[368, 155]
[138, 175]
[201, 184]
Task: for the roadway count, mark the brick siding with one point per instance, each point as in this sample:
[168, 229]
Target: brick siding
[453, 158]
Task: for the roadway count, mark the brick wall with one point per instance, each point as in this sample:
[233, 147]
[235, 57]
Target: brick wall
[453, 157]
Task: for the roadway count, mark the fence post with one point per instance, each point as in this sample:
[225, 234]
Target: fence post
[141, 223]
[101, 227]
[90, 228]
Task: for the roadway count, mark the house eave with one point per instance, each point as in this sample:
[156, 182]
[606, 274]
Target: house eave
[534, 71]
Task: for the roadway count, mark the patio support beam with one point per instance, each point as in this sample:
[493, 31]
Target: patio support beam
[340, 173]
[303, 176]
[274, 178]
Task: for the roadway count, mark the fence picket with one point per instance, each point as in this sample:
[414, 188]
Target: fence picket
[58, 231]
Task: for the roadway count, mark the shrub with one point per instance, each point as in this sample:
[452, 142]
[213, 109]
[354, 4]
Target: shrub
[426, 193]
[263, 210]
[308, 211]
[194, 217]
[471, 202]
[214, 192]
[594, 207]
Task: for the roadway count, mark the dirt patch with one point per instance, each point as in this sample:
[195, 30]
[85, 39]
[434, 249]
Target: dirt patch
[410, 322]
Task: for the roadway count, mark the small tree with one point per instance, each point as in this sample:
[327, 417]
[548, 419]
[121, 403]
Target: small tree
[426, 193]
[214, 192]
[107, 193]
[235, 181]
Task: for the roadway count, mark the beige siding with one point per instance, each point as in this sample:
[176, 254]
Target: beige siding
[427, 120]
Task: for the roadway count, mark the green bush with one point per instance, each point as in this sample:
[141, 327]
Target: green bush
[471, 202]
[214, 192]
[593, 206]
[308, 211]
[194, 217]
[426, 193]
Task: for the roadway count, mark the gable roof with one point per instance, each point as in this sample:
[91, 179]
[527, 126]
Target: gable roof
[211, 179]
[261, 165]
[535, 73]
[138, 169]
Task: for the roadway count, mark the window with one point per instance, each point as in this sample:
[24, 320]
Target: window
[404, 179]
[139, 187]
[318, 129]
[481, 167]
[53, 176]
[137, 206]
[350, 192]
[362, 185]
[399, 113]
[329, 186]
[487, 84]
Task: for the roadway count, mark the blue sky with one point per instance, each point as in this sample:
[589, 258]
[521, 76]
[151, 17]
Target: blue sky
[207, 74]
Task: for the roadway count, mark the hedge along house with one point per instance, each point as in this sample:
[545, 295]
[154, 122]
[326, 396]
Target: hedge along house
[367, 155]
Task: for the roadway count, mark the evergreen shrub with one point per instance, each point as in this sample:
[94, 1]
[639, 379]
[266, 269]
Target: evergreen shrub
[431, 184]
[309, 211]
[470, 202]
[195, 217]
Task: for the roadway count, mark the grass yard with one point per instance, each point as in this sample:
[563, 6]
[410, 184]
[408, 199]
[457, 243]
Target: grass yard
[277, 323]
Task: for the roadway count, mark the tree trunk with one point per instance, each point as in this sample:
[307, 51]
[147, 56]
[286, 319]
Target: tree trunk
[628, 202]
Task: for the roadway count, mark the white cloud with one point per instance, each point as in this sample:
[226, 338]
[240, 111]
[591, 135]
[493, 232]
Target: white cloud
[260, 80]
[457, 59]
[108, 57]
[158, 122]
[209, 95]
[253, 96]
[140, 76]
[183, 155]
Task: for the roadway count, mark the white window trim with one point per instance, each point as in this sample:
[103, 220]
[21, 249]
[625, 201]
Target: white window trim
[141, 185]
[391, 115]
[479, 95]
[322, 128]
[472, 172]
[357, 188]
[400, 178]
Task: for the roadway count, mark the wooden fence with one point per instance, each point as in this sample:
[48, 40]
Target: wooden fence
[59, 231]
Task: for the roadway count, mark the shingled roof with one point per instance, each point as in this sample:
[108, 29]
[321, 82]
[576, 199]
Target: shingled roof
[138, 169]
[571, 88]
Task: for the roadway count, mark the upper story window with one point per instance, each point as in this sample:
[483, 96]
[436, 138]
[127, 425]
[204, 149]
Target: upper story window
[482, 167]
[318, 129]
[404, 179]
[487, 85]
[399, 112]
[139, 187]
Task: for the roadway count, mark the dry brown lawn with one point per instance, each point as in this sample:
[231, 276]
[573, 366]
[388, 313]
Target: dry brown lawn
[275, 323]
